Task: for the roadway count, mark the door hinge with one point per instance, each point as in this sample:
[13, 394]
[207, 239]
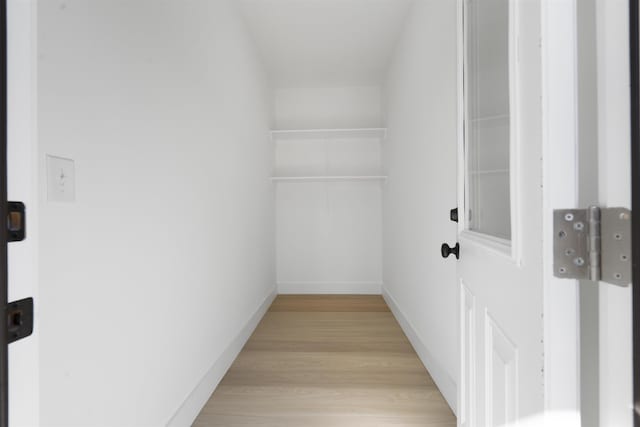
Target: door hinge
[19, 319]
[16, 221]
[593, 244]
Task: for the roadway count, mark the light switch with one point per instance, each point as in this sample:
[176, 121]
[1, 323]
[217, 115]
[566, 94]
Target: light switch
[61, 179]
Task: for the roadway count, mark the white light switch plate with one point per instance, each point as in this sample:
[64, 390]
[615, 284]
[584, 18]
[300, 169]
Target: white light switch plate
[61, 179]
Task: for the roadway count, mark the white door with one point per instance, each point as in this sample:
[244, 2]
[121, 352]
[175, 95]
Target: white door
[500, 214]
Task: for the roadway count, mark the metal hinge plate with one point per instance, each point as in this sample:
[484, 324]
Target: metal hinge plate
[593, 244]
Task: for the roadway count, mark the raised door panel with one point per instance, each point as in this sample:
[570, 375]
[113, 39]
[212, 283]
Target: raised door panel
[467, 408]
[501, 376]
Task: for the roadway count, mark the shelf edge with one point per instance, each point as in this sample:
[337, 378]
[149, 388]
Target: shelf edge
[328, 178]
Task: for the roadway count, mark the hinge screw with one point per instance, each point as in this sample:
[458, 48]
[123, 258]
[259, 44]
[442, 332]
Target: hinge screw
[579, 261]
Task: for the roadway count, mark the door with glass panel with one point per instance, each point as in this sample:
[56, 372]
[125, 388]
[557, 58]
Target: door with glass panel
[500, 213]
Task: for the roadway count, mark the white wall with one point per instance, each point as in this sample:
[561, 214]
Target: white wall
[22, 186]
[328, 107]
[167, 252]
[420, 160]
[329, 237]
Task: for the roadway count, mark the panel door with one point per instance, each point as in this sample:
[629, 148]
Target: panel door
[500, 215]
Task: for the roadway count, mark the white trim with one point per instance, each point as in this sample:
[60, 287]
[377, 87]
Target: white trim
[494, 244]
[507, 353]
[327, 178]
[467, 340]
[329, 133]
[462, 213]
[559, 125]
[614, 144]
[342, 288]
[23, 184]
[444, 382]
[515, 139]
[509, 247]
[463, 124]
[462, 204]
[195, 401]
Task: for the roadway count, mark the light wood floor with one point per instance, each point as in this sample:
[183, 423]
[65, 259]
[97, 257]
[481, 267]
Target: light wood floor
[324, 361]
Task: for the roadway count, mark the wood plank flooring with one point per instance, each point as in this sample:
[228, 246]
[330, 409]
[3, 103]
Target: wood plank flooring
[324, 361]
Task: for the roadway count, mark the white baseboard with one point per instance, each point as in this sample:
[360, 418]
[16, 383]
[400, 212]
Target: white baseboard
[442, 379]
[362, 288]
[193, 404]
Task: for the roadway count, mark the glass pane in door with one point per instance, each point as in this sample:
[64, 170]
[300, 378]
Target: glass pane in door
[487, 117]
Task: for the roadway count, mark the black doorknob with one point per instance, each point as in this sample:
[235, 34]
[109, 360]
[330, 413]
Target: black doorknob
[446, 250]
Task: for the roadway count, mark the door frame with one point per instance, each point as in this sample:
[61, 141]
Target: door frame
[634, 45]
[4, 365]
[560, 165]
[560, 70]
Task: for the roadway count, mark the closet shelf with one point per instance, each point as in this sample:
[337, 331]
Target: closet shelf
[490, 172]
[327, 178]
[496, 118]
[329, 133]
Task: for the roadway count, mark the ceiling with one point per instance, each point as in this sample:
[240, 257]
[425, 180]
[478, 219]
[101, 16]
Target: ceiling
[316, 43]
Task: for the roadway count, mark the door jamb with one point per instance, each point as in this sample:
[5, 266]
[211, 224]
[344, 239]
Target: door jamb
[561, 321]
[634, 44]
[4, 368]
